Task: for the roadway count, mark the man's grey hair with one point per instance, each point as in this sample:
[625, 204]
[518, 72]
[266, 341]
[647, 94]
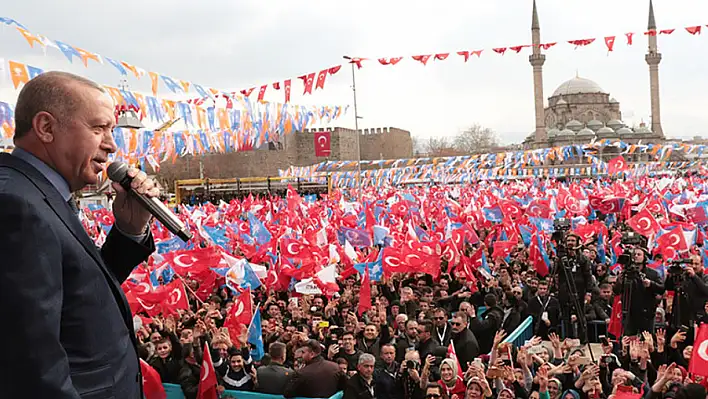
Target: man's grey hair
[366, 358]
[51, 92]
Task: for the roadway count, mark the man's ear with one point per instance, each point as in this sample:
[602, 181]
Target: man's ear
[43, 125]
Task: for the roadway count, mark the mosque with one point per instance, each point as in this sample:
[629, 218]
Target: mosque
[580, 111]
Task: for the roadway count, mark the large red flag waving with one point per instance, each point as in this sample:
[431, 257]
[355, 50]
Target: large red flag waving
[152, 384]
[615, 327]
[207, 377]
[699, 359]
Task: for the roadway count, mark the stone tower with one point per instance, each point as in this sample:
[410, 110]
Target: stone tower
[653, 59]
[537, 59]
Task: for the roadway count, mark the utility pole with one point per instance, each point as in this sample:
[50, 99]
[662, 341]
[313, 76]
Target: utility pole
[356, 128]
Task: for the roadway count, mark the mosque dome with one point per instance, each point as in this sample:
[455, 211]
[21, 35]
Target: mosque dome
[613, 101]
[643, 130]
[562, 102]
[586, 133]
[624, 130]
[566, 132]
[615, 124]
[594, 125]
[578, 85]
[606, 132]
[553, 132]
[574, 125]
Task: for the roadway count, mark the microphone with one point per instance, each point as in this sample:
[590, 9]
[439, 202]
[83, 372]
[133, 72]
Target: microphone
[118, 172]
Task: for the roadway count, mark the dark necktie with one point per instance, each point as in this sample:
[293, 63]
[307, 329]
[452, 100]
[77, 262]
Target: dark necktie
[72, 204]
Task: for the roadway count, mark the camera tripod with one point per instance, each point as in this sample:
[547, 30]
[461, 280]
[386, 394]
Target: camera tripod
[562, 270]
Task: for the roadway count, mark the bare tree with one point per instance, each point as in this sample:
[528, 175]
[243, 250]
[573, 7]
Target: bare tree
[439, 147]
[476, 139]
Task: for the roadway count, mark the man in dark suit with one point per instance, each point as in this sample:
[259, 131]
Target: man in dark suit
[319, 378]
[361, 385]
[72, 331]
[273, 377]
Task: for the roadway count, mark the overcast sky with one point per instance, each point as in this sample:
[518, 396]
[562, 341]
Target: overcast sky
[233, 45]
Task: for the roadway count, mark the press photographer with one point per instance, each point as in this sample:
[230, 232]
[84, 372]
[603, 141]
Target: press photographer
[690, 285]
[572, 278]
[638, 286]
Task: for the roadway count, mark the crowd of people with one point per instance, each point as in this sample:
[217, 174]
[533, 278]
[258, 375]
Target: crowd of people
[617, 263]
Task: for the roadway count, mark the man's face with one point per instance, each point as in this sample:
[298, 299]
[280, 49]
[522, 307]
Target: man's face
[388, 354]
[81, 140]
[307, 354]
[638, 256]
[370, 332]
[697, 264]
[424, 306]
[163, 350]
[236, 362]
[433, 393]
[412, 329]
[366, 369]
[606, 293]
[458, 324]
[422, 334]
[444, 284]
[571, 242]
[318, 302]
[348, 343]
[543, 289]
[439, 319]
[516, 291]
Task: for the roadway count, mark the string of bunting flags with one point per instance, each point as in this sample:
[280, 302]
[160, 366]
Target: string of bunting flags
[235, 123]
[512, 164]
[314, 80]
[172, 84]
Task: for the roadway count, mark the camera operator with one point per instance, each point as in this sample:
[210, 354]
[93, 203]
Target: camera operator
[639, 287]
[691, 292]
[572, 277]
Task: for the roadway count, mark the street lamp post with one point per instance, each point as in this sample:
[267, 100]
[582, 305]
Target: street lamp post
[356, 128]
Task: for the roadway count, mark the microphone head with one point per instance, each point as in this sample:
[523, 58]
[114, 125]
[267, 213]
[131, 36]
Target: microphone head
[117, 171]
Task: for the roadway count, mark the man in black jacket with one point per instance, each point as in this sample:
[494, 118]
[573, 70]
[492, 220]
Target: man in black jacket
[572, 273]
[443, 330]
[485, 329]
[644, 284]
[361, 385]
[466, 346]
[273, 378]
[691, 287]
[319, 378]
[545, 310]
[386, 374]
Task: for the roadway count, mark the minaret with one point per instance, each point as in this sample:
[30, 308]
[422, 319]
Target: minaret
[653, 59]
[537, 59]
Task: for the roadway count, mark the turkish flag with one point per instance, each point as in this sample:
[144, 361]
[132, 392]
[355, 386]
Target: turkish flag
[177, 296]
[207, 377]
[241, 311]
[644, 223]
[152, 383]
[364, 293]
[699, 360]
[451, 354]
[616, 165]
[615, 327]
[322, 144]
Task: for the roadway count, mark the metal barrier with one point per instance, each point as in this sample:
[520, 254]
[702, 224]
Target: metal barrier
[174, 391]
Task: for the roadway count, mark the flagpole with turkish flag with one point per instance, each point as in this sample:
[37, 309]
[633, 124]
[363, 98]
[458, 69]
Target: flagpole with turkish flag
[207, 377]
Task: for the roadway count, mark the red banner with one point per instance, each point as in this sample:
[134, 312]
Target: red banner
[322, 144]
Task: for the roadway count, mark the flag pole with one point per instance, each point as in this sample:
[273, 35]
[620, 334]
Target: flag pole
[189, 288]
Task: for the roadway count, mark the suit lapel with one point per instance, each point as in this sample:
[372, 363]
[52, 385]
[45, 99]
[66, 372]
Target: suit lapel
[71, 221]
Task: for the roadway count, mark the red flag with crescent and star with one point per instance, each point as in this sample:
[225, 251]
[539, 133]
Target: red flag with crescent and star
[207, 377]
[699, 359]
[322, 144]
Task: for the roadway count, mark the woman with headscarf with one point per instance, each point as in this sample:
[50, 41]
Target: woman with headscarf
[451, 383]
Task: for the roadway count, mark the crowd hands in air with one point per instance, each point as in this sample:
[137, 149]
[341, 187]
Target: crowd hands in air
[441, 335]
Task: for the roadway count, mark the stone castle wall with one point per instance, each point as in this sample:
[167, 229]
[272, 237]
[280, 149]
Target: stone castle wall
[296, 149]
